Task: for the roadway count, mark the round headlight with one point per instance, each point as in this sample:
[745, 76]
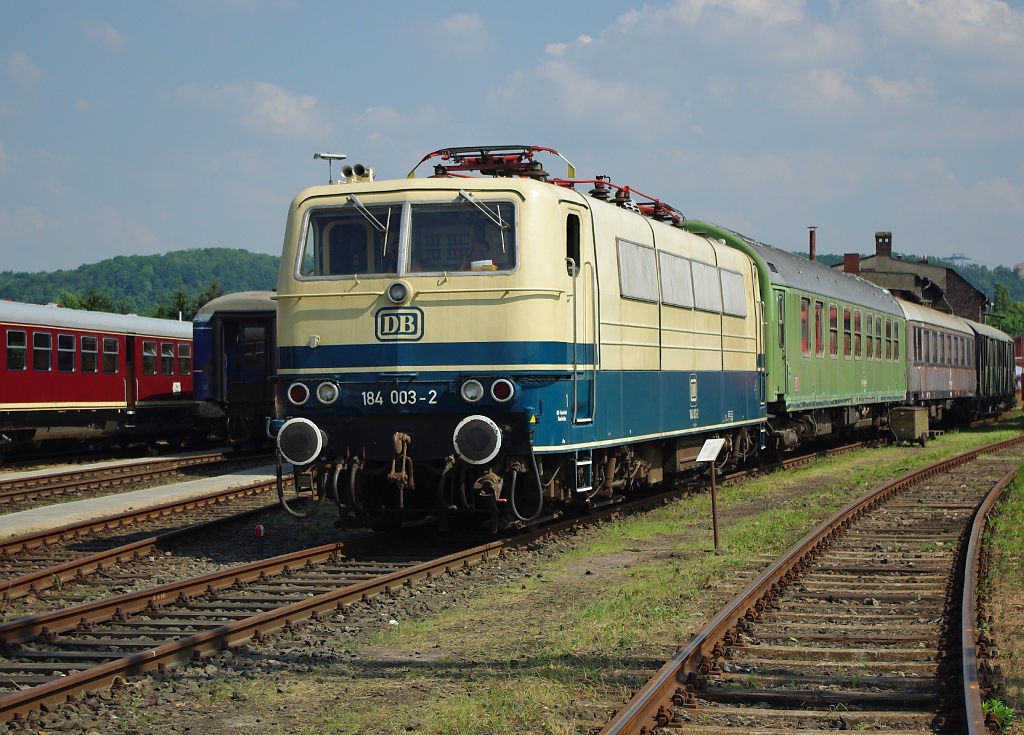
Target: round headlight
[502, 390]
[472, 391]
[399, 292]
[477, 439]
[327, 393]
[298, 393]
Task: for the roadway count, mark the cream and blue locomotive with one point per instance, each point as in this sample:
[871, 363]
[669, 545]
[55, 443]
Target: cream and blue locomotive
[490, 341]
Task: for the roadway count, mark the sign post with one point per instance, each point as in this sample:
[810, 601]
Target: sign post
[709, 453]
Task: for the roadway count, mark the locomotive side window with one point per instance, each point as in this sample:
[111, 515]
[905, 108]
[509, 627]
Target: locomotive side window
[819, 329]
[90, 350]
[42, 351]
[66, 353]
[734, 295]
[111, 351]
[676, 280]
[352, 240]
[572, 242]
[184, 358]
[167, 358]
[805, 332]
[17, 348]
[707, 293]
[148, 357]
[638, 272]
[474, 236]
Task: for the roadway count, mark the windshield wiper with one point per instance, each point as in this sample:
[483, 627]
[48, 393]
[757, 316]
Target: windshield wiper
[495, 219]
[361, 208]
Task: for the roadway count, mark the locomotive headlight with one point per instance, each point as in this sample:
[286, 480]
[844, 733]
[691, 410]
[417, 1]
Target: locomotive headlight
[477, 439]
[327, 393]
[298, 394]
[472, 391]
[502, 390]
[399, 292]
[300, 441]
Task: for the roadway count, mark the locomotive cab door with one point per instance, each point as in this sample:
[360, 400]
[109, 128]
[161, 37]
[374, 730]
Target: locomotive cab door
[579, 264]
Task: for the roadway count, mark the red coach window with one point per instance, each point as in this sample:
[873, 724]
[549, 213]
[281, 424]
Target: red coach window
[111, 350]
[66, 353]
[90, 348]
[42, 351]
[167, 358]
[184, 358]
[17, 349]
[149, 357]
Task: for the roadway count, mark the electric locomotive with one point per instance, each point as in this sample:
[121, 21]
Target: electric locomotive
[489, 341]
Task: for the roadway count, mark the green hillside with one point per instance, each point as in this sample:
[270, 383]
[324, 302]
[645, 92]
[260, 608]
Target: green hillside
[143, 283]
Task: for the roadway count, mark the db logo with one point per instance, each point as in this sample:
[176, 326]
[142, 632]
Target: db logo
[399, 324]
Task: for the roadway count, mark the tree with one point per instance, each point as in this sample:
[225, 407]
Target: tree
[94, 300]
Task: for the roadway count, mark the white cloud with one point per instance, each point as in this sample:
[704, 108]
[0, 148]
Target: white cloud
[463, 35]
[819, 92]
[21, 70]
[261, 107]
[104, 34]
[893, 91]
[975, 26]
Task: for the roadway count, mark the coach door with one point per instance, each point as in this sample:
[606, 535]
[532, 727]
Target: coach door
[579, 264]
[248, 363]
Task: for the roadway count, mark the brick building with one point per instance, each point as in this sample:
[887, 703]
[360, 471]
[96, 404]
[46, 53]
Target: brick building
[917, 281]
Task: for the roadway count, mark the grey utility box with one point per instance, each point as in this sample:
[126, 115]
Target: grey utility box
[909, 424]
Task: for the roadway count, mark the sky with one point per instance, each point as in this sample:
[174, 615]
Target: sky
[139, 128]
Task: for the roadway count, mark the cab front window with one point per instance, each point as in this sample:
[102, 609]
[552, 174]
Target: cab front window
[470, 235]
[352, 240]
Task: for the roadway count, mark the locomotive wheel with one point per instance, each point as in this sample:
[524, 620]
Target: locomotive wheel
[303, 503]
[923, 439]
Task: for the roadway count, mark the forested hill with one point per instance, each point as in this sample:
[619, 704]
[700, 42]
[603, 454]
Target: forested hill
[146, 281]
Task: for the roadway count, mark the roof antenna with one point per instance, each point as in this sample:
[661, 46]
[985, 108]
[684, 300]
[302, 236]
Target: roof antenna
[330, 158]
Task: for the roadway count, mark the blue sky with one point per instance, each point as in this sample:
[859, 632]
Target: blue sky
[138, 128]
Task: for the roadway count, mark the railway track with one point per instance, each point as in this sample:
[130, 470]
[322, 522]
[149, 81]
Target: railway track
[51, 655]
[857, 627]
[22, 491]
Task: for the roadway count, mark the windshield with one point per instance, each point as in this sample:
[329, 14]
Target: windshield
[352, 240]
[471, 236]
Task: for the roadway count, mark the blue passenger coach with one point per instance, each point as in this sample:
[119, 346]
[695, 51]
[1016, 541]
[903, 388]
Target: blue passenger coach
[490, 341]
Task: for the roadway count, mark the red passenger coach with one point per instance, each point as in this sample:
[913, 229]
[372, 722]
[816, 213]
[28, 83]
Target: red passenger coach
[84, 375]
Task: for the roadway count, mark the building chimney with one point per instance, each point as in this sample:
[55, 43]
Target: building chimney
[851, 263]
[883, 244]
[813, 255]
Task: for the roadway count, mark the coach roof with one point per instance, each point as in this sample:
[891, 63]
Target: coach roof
[52, 316]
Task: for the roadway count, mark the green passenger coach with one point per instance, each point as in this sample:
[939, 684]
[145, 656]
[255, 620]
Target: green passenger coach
[834, 345]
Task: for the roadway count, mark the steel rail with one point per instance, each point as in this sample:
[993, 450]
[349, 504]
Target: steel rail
[61, 534]
[651, 706]
[78, 476]
[43, 579]
[975, 716]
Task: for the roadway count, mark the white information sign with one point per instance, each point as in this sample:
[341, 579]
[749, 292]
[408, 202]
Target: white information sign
[709, 452]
